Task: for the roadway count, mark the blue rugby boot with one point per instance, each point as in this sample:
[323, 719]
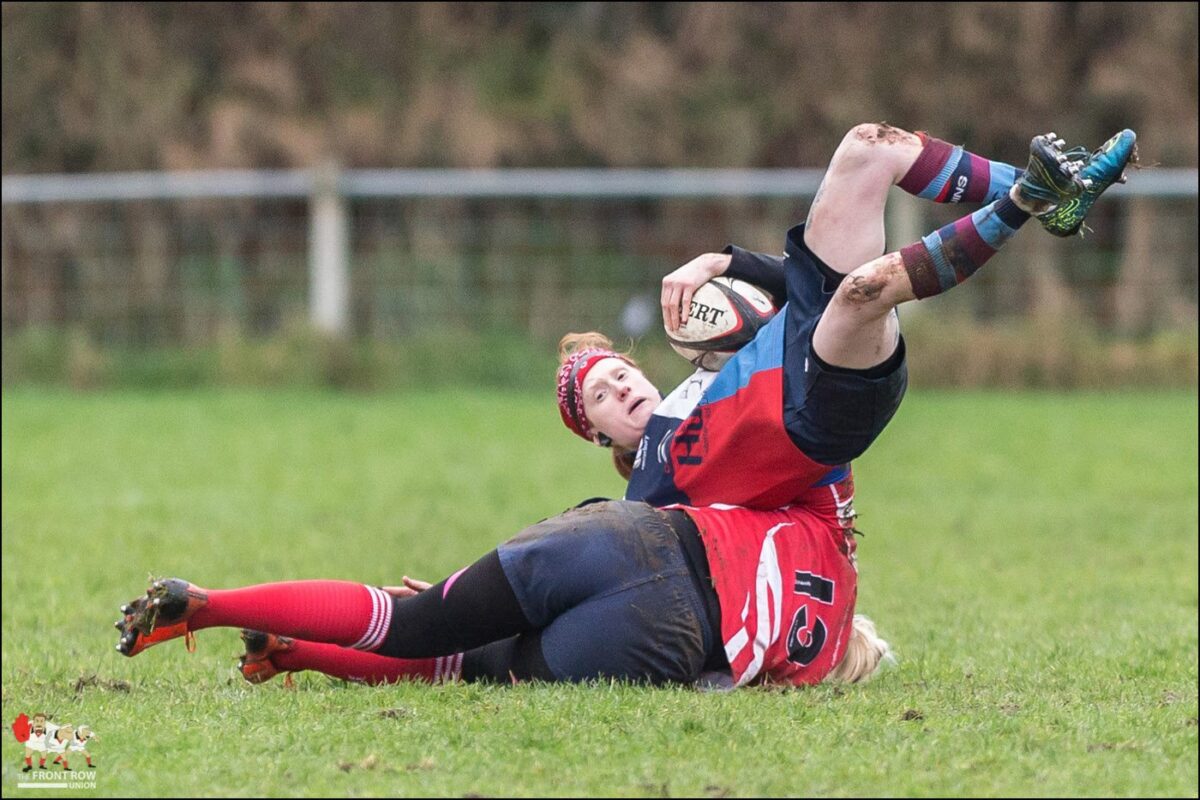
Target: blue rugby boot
[1052, 178]
[1102, 169]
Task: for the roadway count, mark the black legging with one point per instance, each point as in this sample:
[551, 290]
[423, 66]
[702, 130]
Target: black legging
[607, 590]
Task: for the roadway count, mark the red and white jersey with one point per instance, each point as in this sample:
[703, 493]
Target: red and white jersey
[36, 741]
[787, 584]
[53, 743]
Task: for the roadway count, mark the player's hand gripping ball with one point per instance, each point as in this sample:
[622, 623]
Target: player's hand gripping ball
[724, 315]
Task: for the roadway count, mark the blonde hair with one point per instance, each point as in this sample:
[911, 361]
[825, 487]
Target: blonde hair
[574, 342]
[865, 654]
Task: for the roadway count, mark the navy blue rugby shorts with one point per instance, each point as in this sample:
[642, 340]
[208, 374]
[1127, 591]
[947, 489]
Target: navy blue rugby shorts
[610, 588]
[833, 414]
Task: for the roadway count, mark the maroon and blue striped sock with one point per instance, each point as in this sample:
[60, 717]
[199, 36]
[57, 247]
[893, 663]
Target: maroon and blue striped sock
[946, 173]
[950, 255]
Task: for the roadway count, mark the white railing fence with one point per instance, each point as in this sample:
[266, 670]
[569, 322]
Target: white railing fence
[375, 217]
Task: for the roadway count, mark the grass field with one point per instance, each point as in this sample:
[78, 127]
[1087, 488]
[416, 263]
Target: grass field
[1031, 557]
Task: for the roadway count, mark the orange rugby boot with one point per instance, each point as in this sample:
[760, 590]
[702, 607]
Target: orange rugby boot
[256, 665]
[161, 615]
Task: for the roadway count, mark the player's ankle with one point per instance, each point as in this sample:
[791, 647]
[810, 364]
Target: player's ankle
[1028, 205]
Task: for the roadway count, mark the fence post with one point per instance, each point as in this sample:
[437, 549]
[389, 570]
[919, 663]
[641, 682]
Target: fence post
[1135, 287]
[328, 253]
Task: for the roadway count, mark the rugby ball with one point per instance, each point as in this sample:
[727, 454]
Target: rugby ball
[725, 314]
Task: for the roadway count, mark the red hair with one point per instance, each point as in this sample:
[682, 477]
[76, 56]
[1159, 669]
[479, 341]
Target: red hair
[578, 353]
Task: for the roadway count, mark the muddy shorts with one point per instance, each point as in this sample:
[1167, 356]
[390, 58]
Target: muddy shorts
[610, 588]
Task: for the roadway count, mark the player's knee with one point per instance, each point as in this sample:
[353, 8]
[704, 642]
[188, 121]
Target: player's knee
[875, 134]
[865, 133]
[856, 149]
[872, 285]
[871, 142]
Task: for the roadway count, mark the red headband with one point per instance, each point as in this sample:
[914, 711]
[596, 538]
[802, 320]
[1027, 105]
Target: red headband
[570, 386]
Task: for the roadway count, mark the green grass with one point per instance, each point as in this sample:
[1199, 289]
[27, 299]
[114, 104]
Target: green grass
[1031, 557]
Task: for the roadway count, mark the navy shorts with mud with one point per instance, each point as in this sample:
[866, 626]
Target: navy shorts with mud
[833, 414]
[609, 587]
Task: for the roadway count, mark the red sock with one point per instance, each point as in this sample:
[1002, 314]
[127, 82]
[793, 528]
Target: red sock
[56, 759]
[352, 665]
[65, 765]
[339, 612]
[29, 761]
[41, 761]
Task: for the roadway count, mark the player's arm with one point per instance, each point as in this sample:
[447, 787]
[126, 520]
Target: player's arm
[760, 269]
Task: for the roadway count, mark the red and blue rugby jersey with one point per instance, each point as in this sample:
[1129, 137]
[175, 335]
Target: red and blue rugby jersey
[721, 437]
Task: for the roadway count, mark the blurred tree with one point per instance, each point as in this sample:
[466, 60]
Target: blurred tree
[100, 87]
[97, 87]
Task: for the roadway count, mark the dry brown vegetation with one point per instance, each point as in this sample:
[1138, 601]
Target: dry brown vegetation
[133, 86]
[99, 87]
